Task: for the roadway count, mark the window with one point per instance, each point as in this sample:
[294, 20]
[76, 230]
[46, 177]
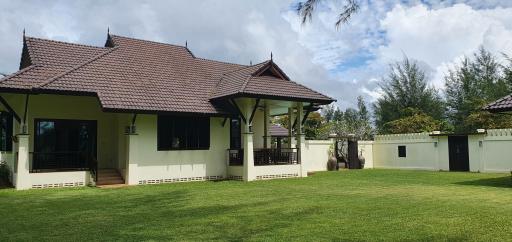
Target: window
[5, 131]
[183, 133]
[402, 151]
[235, 134]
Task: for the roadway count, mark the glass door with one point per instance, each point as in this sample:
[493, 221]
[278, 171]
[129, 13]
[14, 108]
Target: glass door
[62, 144]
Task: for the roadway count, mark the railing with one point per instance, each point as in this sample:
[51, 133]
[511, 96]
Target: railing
[59, 161]
[236, 157]
[283, 156]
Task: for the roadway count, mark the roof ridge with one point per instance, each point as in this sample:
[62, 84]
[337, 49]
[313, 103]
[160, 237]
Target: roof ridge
[18, 72]
[241, 68]
[180, 46]
[150, 41]
[245, 84]
[214, 90]
[63, 42]
[219, 61]
[242, 90]
[52, 79]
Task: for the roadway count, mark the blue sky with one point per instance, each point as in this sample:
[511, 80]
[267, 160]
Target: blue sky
[342, 63]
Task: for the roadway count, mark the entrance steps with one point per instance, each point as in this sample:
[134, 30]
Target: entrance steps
[109, 177]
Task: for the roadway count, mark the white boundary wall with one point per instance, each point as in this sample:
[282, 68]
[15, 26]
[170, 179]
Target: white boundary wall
[488, 152]
[316, 155]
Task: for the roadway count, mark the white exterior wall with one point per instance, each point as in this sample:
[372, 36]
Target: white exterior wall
[316, 155]
[277, 171]
[496, 151]
[59, 179]
[365, 148]
[421, 152]
[490, 152]
[153, 166]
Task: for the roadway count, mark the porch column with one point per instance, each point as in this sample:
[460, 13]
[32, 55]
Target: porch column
[132, 149]
[301, 140]
[291, 118]
[247, 134]
[267, 140]
[23, 168]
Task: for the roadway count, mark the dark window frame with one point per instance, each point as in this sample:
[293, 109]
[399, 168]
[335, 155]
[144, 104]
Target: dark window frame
[402, 151]
[6, 131]
[235, 134]
[93, 124]
[194, 131]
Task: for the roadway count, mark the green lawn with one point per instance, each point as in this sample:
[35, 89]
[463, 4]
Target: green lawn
[347, 205]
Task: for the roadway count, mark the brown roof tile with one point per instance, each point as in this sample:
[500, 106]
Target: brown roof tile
[144, 75]
[501, 105]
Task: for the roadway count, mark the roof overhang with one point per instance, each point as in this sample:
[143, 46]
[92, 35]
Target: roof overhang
[274, 97]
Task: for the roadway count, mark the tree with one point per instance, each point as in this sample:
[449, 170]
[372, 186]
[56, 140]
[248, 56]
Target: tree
[306, 8]
[415, 122]
[473, 84]
[507, 71]
[406, 88]
[328, 112]
[365, 129]
[312, 125]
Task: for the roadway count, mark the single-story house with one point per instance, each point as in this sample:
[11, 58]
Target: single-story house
[142, 112]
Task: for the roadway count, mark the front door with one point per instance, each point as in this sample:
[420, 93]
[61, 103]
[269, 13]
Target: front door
[458, 153]
[62, 144]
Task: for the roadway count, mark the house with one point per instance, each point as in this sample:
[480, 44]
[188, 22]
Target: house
[501, 105]
[142, 112]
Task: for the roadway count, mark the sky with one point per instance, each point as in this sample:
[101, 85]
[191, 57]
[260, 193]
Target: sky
[343, 63]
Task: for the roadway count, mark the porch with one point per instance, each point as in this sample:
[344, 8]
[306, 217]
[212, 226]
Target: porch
[254, 155]
[61, 141]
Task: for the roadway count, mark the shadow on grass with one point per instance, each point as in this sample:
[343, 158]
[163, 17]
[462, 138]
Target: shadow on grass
[502, 182]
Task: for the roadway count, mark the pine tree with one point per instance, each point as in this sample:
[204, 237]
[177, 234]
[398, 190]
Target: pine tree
[473, 84]
[406, 88]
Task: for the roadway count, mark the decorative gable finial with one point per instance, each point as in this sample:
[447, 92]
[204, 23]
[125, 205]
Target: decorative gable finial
[108, 30]
[23, 33]
[250, 62]
[271, 56]
[186, 44]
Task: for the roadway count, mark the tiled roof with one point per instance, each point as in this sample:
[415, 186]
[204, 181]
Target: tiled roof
[139, 75]
[278, 131]
[501, 105]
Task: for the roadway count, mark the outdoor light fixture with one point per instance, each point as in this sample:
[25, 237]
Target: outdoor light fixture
[435, 144]
[480, 143]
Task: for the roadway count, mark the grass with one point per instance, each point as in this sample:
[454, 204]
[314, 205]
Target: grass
[356, 205]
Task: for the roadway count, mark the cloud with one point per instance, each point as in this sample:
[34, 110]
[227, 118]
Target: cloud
[342, 63]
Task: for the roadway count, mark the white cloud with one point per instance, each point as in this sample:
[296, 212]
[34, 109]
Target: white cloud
[342, 64]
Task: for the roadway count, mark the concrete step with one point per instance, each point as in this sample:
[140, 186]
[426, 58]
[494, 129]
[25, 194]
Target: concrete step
[110, 182]
[109, 177]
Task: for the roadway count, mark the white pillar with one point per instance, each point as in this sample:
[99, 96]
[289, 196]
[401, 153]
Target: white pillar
[23, 168]
[249, 174]
[248, 144]
[301, 140]
[291, 118]
[132, 148]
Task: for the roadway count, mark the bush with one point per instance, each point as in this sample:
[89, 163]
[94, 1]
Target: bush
[4, 172]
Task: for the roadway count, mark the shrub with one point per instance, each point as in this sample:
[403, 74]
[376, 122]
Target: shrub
[4, 171]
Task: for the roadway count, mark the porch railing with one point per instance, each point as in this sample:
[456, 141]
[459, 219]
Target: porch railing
[236, 157]
[283, 156]
[59, 161]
